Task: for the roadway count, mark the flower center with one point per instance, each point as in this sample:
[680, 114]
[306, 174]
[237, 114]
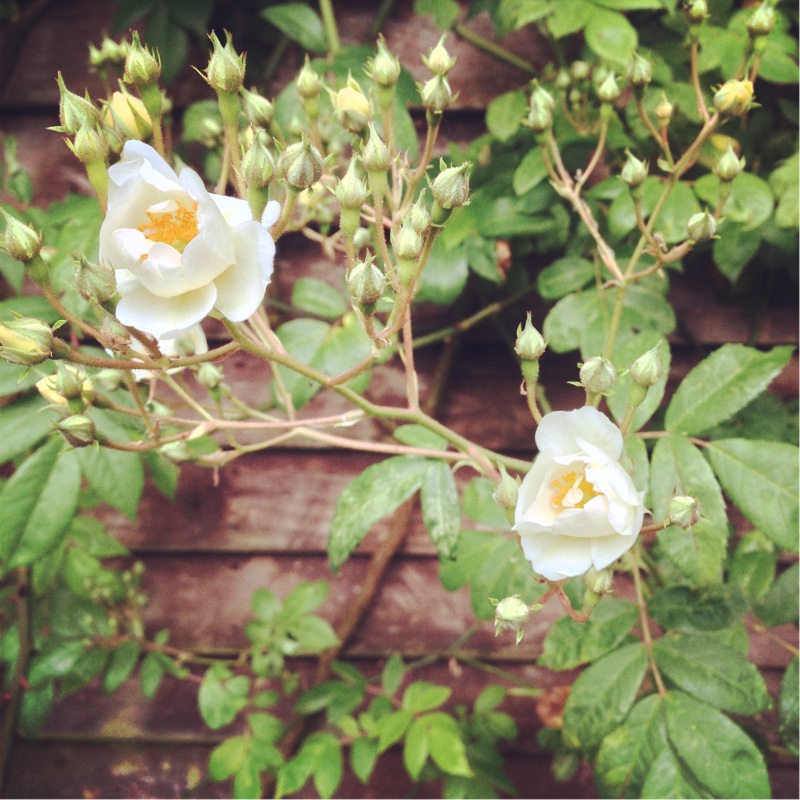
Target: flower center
[176, 226]
[572, 490]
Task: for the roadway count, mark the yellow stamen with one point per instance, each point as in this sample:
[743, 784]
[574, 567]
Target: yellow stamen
[572, 490]
[176, 228]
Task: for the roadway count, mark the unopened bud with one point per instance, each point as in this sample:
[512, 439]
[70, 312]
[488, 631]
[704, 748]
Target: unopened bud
[258, 110]
[209, 375]
[384, 69]
[361, 238]
[89, 146]
[20, 242]
[530, 345]
[696, 11]
[109, 380]
[734, 97]
[94, 282]
[649, 367]
[225, 71]
[375, 155]
[450, 189]
[506, 493]
[258, 165]
[176, 452]
[634, 172]
[109, 52]
[142, 66]
[761, 21]
[366, 284]
[436, 94]
[563, 79]
[74, 111]
[664, 111]
[597, 375]
[308, 83]
[639, 71]
[25, 341]
[407, 245]
[351, 106]
[418, 215]
[608, 91]
[351, 191]
[439, 61]
[599, 581]
[729, 165]
[540, 119]
[78, 430]
[579, 70]
[127, 115]
[68, 384]
[683, 511]
[701, 226]
[301, 164]
[510, 614]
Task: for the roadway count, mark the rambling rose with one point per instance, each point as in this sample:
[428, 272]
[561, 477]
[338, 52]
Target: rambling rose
[178, 251]
[577, 507]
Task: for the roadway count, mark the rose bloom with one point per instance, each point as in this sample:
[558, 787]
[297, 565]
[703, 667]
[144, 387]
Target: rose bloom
[178, 251]
[577, 507]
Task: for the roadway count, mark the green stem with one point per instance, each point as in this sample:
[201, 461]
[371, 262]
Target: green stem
[492, 48]
[286, 213]
[329, 24]
[379, 19]
[645, 623]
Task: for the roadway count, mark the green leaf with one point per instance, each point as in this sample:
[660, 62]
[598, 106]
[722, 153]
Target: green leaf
[39, 501]
[117, 476]
[569, 16]
[564, 276]
[489, 699]
[228, 757]
[392, 674]
[675, 213]
[416, 748]
[788, 707]
[712, 672]
[150, 675]
[721, 385]
[494, 566]
[318, 298]
[780, 605]
[163, 472]
[374, 494]
[120, 666]
[444, 12]
[423, 696]
[312, 635]
[611, 36]
[441, 512]
[530, 172]
[481, 257]
[602, 696]
[35, 708]
[306, 597]
[392, 728]
[568, 318]
[627, 754]
[691, 610]
[363, 755]
[170, 40]
[505, 114]
[327, 759]
[752, 568]
[678, 468]
[446, 744]
[750, 202]
[222, 696]
[302, 339]
[480, 505]
[22, 425]
[55, 660]
[719, 755]
[300, 23]
[444, 276]
[762, 480]
[667, 777]
[735, 248]
[569, 644]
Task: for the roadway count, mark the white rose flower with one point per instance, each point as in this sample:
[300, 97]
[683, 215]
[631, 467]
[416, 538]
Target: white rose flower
[179, 251]
[577, 507]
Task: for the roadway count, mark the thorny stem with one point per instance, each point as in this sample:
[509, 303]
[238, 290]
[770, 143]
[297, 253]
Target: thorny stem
[645, 622]
[661, 141]
[598, 151]
[434, 121]
[329, 24]
[286, 213]
[694, 49]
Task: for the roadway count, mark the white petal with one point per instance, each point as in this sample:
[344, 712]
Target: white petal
[163, 317]
[212, 227]
[555, 557]
[531, 485]
[271, 213]
[141, 161]
[607, 549]
[560, 432]
[234, 210]
[240, 289]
